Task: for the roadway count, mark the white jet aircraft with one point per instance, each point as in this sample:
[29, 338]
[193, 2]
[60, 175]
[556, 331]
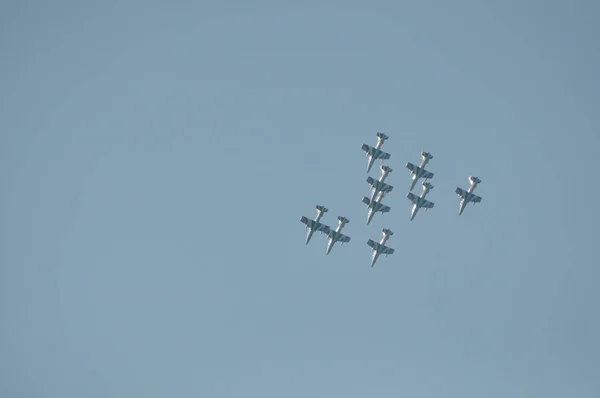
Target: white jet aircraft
[419, 171]
[420, 201]
[336, 235]
[468, 195]
[379, 185]
[315, 225]
[373, 153]
[375, 206]
[380, 248]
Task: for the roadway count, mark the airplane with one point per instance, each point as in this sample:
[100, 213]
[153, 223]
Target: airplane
[379, 185]
[468, 195]
[315, 225]
[420, 201]
[336, 235]
[419, 171]
[380, 248]
[375, 206]
[373, 153]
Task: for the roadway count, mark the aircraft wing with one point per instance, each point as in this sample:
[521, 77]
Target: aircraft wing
[427, 204]
[382, 249]
[468, 196]
[314, 225]
[339, 237]
[386, 250]
[376, 153]
[427, 175]
[384, 208]
[415, 169]
[378, 185]
[419, 201]
[412, 197]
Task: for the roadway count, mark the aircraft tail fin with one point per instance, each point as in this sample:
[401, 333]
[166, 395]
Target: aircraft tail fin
[474, 180]
[386, 169]
[382, 136]
[427, 185]
[343, 220]
[322, 209]
[426, 155]
[387, 232]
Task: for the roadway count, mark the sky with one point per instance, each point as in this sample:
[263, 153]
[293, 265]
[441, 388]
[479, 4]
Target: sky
[156, 158]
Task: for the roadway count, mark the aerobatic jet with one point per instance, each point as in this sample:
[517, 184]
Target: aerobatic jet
[375, 206]
[315, 225]
[380, 248]
[379, 185]
[468, 195]
[373, 153]
[419, 171]
[420, 201]
[336, 235]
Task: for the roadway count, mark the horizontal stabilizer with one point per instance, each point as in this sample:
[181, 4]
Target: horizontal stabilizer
[382, 136]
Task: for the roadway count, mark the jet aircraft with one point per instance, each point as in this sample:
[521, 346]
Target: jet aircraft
[336, 235]
[375, 206]
[419, 171]
[380, 248]
[468, 195]
[315, 225]
[379, 185]
[373, 153]
[420, 201]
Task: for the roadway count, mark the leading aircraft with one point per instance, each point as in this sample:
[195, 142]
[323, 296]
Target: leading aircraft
[468, 195]
[420, 201]
[375, 206]
[373, 153]
[315, 225]
[379, 185]
[380, 248]
[419, 171]
[336, 235]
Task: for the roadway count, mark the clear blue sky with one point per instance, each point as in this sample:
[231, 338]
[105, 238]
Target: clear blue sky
[156, 158]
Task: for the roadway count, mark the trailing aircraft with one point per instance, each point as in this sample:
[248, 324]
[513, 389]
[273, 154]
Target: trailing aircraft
[419, 171]
[315, 225]
[336, 235]
[379, 185]
[373, 153]
[420, 201]
[468, 195]
[380, 248]
[375, 206]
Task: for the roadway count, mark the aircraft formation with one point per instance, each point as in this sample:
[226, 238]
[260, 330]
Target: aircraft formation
[379, 189]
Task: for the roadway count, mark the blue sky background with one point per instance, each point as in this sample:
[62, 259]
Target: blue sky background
[156, 157]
